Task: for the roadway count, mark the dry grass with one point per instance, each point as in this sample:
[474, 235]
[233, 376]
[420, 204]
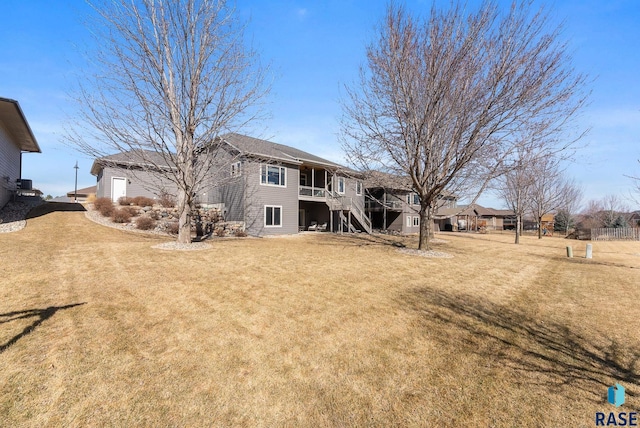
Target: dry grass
[97, 328]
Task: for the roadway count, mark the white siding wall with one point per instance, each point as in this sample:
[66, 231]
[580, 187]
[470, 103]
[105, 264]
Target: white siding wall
[9, 165]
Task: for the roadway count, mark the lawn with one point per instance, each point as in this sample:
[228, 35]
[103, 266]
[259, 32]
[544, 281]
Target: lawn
[97, 328]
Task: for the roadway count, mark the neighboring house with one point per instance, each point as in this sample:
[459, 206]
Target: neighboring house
[393, 206]
[15, 138]
[125, 174]
[276, 189]
[81, 195]
[475, 217]
[271, 188]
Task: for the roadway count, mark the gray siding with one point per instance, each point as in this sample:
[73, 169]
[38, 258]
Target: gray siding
[139, 183]
[9, 166]
[258, 196]
[412, 211]
[231, 194]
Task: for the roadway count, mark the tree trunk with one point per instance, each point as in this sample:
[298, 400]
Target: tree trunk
[539, 227]
[518, 228]
[184, 220]
[426, 227]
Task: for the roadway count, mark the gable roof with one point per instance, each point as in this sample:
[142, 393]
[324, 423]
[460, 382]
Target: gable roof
[384, 180]
[256, 147]
[15, 123]
[131, 158]
[245, 145]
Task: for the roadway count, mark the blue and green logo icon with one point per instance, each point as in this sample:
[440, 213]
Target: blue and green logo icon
[616, 395]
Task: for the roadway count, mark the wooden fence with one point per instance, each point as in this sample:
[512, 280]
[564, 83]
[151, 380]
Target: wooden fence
[617, 234]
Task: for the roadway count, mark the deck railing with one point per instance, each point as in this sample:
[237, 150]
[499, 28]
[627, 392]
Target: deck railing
[312, 192]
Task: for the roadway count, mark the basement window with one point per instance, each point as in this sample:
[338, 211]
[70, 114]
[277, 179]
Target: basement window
[272, 216]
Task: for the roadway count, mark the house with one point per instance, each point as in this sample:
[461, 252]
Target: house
[391, 205]
[475, 217]
[81, 195]
[129, 174]
[273, 189]
[16, 138]
[276, 189]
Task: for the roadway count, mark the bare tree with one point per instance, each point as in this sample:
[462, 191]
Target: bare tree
[635, 196]
[171, 76]
[610, 211]
[615, 212]
[515, 187]
[571, 204]
[444, 100]
[549, 189]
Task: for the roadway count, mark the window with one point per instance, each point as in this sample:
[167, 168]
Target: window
[273, 175]
[340, 184]
[416, 221]
[413, 199]
[272, 216]
[235, 169]
[303, 179]
[408, 221]
[358, 188]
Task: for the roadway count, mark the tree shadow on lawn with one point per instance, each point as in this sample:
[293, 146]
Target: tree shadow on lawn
[40, 315]
[51, 207]
[538, 351]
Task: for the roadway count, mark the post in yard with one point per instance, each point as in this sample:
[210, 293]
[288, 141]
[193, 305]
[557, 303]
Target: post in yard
[75, 192]
[589, 253]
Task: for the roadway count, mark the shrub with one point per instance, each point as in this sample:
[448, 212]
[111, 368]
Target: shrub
[143, 201]
[239, 233]
[172, 227]
[154, 215]
[121, 215]
[219, 231]
[124, 200]
[104, 206]
[133, 211]
[167, 201]
[145, 223]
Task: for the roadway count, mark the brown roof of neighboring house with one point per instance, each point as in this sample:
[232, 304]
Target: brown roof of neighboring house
[473, 210]
[84, 192]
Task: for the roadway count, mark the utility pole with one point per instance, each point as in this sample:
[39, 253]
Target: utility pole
[75, 194]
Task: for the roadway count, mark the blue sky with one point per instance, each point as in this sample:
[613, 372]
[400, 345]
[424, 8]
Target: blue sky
[315, 47]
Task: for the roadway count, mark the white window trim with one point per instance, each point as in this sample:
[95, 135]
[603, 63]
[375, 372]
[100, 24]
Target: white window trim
[359, 188]
[416, 221]
[344, 185]
[265, 216]
[409, 221]
[283, 170]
